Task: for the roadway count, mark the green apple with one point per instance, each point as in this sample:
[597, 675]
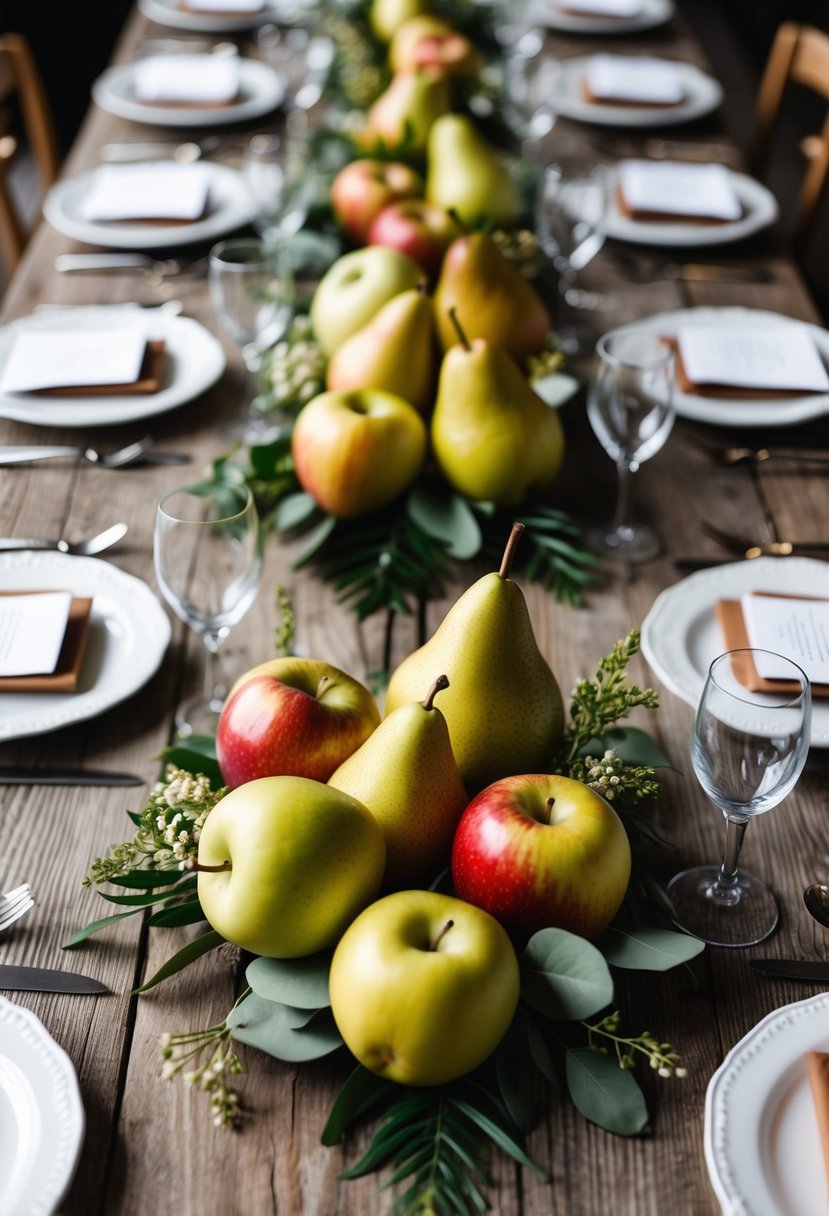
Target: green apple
[286, 863]
[423, 987]
[354, 288]
[386, 15]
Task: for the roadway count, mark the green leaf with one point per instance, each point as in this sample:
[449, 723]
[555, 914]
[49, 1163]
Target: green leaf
[316, 539]
[268, 1026]
[564, 976]
[293, 510]
[500, 1136]
[540, 1053]
[143, 879]
[301, 982]
[183, 958]
[197, 755]
[648, 949]
[361, 1092]
[445, 516]
[635, 746]
[605, 1093]
[138, 901]
[189, 913]
[512, 1067]
[94, 926]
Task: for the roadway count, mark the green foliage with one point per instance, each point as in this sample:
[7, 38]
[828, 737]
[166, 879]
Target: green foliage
[301, 982]
[564, 976]
[600, 703]
[183, 958]
[648, 949]
[604, 1093]
[283, 1031]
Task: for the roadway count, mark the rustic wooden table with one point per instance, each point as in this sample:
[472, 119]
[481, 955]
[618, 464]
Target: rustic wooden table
[150, 1146]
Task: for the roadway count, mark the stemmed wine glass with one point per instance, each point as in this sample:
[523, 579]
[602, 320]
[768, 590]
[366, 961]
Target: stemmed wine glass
[748, 750]
[283, 185]
[208, 562]
[629, 405]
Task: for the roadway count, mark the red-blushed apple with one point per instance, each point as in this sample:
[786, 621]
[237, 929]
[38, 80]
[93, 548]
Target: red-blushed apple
[292, 717]
[355, 288]
[417, 228]
[423, 987]
[362, 189]
[355, 451]
[427, 41]
[541, 851]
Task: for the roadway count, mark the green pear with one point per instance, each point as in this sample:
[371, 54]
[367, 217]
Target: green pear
[466, 176]
[408, 778]
[386, 16]
[493, 437]
[493, 299]
[404, 114]
[503, 706]
[395, 352]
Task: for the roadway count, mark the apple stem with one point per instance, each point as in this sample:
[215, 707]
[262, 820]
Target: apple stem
[193, 864]
[440, 682]
[509, 551]
[444, 930]
[550, 804]
[459, 330]
[322, 686]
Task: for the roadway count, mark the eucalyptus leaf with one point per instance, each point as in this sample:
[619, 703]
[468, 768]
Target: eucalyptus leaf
[512, 1067]
[267, 1025]
[361, 1092]
[605, 1093]
[445, 516]
[293, 510]
[540, 1053]
[183, 958]
[563, 976]
[301, 982]
[648, 949]
[634, 745]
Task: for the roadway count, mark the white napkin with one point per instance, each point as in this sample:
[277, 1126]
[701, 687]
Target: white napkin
[226, 6]
[40, 359]
[32, 629]
[677, 188]
[603, 8]
[634, 78]
[199, 79]
[155, 190]
[778, 358]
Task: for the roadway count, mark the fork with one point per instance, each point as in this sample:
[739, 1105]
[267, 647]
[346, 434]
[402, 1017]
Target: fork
[728, 456]
[745, 547]
[14, 904]
[83, 548]
[141, 451]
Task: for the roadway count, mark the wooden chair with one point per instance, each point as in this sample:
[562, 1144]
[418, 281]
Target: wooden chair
[21, 86]
[800, 54]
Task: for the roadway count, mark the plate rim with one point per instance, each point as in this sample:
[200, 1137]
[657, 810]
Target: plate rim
[157, 10]
[661, 12]
[608, 115]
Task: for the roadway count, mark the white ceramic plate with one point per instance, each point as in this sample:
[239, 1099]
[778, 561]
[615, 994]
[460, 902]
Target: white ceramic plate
[680, 636]
[762, 1146]
[702, 94]
[169, 12]
[651, 14]
[194, 361]
[758, 207]
[128, 635]
[744, 411]
[229, 207]
[41, 1116]
[260, 92]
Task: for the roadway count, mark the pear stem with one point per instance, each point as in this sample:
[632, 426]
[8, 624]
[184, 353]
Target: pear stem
[442, 933]
[322, 686]
[452, 213]
[509, 551]
[549, 815]
[459, 330]
[440, 683]
[193, 864]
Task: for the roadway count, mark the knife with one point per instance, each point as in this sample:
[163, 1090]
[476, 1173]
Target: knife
[65, 776]
[42, 979]
[793, 969]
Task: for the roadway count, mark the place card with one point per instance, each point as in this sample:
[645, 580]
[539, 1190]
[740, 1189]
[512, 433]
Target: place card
[633, 79]
[157, 190]
[224, 6]
[602, 8]
[32, 629]
[675, 190]
[774, 360]
[50, 359]
[797, 630]
[66, 674]
[201, 80]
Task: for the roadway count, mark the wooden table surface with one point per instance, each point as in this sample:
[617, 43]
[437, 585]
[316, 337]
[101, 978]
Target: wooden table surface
[150, 1146]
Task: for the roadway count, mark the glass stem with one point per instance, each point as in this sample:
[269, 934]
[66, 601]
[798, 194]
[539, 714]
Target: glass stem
[215, 688]
[726, 888]
[621, 521]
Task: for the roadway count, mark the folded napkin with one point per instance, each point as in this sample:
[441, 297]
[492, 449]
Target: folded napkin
[187, 80]
[601, 8]
[817, 1070]
[223, 6]
[88, 362]
[157, 190]
[64, 677]
[731, 619]
[633, 80]
[676, 190]
[776, 361]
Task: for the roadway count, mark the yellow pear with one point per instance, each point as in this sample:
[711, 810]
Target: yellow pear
[406, 775]
[425, 40]
[503, 706]
[466, 176]
[404, 114]
[386, 16]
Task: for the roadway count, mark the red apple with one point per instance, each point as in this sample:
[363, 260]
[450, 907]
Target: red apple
[362, 189]
[538, 851]
[292, 717]
[417, 228]
[426, 41]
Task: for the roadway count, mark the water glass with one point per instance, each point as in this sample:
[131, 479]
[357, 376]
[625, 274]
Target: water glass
[282, 184]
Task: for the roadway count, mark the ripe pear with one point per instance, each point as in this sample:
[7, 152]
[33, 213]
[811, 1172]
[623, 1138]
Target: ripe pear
[404, 114]
[503, 706]
[493, 299]
[493, 437]
[395, 351]
[386, 16]
[466, 176]
[407, 776]
[426, 40]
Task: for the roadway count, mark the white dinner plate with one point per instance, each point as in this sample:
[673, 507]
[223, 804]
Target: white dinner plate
[680, 637]
[260, 92]
[194, 361]
[41, 1116]
[229, 207]
[651, 14]
[758, 208]
[701, 95]
[743, 411]
[128, 635]
[762, 1146]
[170, 12]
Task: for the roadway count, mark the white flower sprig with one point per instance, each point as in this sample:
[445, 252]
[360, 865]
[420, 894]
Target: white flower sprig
[208, 1076]
[660, 1056]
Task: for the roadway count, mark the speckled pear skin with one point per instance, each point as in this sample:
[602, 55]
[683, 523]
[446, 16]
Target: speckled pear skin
[503, 706]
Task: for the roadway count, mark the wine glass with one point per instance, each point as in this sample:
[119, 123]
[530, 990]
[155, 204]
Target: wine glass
[207, 554]
[629, 405]
[283, 185]
[748, 750]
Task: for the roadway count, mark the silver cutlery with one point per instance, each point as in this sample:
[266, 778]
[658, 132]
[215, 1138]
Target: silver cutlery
[66, 776]
[140, 452]
[816, 899]
[43, 979]
[646, 270]
[14, 904]
[185, 153]
[743, 546]
[792, 969]
[103, 263]
[83, 548]
[733, 455]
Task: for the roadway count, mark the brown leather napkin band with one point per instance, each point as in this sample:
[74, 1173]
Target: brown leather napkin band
[149, 379]
[729, 615]
[65, 676]
[664, 217]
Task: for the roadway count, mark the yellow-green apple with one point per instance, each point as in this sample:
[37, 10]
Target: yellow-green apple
[538, 851]
[405, 112]
[285, 864]
[419, 229]
[354, 288]
[427, 41]
[355, 451]
[386, 15]
[423, 987]
[362, 189]
[292, 717]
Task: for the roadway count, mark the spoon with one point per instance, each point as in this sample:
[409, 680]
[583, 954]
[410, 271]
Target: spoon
[816, 899]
